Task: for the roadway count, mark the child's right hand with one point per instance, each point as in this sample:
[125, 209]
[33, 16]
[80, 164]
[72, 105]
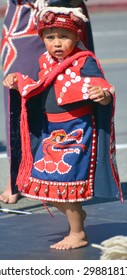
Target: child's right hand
[11, 81]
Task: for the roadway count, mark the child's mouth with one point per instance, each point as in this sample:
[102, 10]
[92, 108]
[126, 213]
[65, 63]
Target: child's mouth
[58, 52]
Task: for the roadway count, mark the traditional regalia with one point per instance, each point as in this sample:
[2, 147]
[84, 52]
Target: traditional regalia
[21, 48]
[68, 151]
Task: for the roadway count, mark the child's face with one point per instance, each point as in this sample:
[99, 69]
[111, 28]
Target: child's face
[59, 42]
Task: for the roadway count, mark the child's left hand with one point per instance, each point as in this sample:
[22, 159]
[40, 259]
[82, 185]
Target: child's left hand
[98, 94]
[11, 81]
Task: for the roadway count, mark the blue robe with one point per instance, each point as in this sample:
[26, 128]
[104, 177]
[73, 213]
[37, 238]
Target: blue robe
[47, 128]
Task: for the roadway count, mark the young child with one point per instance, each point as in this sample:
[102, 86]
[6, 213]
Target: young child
[74, 107]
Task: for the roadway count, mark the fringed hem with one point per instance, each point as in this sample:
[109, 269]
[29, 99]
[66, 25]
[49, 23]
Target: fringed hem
[57, 191]
[55, 199]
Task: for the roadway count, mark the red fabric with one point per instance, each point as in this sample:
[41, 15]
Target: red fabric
[77, 113]
[57, 20]
[33, 87]
[27, 160]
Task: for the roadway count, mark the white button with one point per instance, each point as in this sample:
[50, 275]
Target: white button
[73, 81]
[68, 71]
[87, 80]
[61, 94]
[67, 84]
[85, 96]
[64, 89]
[78, 78]
[59, 100]
[75, 63]
[60, 77]
[73, 75]
[84, 89]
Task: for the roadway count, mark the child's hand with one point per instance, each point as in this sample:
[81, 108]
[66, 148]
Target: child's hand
[98, 94]
[11, 81]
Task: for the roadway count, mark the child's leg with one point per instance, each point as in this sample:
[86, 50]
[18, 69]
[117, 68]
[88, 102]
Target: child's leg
[62, 208]
[7, 197]
[77, 237]
[59, 206]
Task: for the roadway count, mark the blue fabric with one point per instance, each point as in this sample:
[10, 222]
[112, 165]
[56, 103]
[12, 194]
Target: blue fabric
[69, 159]
[105, 185]
[91, 69]
[17, 2]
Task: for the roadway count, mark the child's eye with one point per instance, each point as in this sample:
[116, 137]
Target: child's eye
[50, 37]
[64, 36]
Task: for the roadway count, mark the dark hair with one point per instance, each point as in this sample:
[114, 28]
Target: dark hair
[59, 3]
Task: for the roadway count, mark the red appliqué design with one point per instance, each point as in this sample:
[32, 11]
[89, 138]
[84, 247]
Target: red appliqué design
[56, 147]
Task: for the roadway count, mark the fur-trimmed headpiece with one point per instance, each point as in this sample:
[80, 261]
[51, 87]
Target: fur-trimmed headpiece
[70, 18]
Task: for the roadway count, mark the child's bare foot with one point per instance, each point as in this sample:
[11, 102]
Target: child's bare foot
[72, 241]
[7, 197]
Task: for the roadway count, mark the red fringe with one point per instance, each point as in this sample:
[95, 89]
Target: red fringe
[27, 159]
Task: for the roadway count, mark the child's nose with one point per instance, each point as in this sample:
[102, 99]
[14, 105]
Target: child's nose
[57, 42]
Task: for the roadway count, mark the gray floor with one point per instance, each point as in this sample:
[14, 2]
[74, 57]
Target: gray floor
[28, 237]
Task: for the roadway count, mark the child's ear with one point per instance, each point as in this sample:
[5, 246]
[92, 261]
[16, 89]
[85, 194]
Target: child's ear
[78, 38]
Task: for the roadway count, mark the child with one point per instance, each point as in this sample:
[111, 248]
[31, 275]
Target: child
[74, 110]
[19, 32]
